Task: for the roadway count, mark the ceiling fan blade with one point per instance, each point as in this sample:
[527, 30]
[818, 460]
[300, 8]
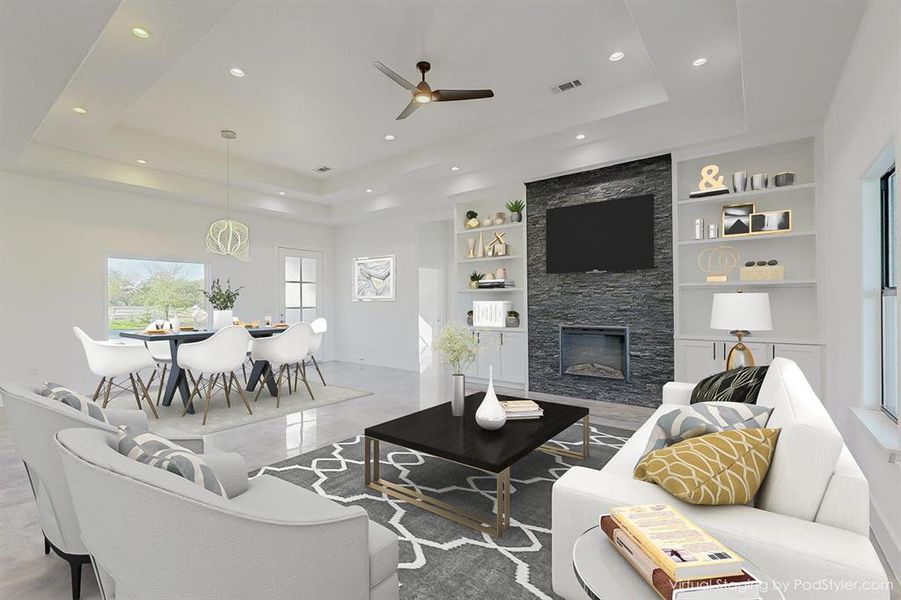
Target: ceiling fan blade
[451, 95]
[412, 106]
[397, 78]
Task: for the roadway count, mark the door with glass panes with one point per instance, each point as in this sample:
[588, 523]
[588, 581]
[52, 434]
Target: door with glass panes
[300, 273]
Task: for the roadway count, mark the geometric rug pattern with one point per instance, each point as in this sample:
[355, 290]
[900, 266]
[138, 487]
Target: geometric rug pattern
[440, 559]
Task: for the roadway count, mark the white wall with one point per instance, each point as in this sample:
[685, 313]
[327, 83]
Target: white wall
[862, 121]
[55, 238]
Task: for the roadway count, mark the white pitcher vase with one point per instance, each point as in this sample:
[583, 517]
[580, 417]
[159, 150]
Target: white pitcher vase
[491, 414]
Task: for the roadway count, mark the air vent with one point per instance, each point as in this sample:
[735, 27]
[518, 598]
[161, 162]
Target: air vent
[565, 87]
[322, 169]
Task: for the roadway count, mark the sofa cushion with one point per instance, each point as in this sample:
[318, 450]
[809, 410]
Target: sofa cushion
[383, 553]
[73, 399]
[703, 418]
[156, 451]
[735, 385]
[726, 467]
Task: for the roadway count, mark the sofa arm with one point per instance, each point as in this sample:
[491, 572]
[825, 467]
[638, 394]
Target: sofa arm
[676, 392]
[792, 552]
[230, 469]
[135, 420]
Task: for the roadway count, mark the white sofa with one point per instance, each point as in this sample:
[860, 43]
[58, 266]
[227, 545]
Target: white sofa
[809, 525]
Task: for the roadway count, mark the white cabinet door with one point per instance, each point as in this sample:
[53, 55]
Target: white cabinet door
[809, 358]
[696, 359]
[489, 354]
[513, 358]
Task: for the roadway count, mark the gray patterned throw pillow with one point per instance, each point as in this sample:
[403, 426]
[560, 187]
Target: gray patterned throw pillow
[735, 385]
[703, 418]
[73, 399]
[159, 452]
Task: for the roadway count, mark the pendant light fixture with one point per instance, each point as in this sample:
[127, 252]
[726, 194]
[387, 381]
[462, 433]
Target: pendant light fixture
[228, 236]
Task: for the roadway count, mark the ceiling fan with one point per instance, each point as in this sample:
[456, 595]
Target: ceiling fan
[423, 94]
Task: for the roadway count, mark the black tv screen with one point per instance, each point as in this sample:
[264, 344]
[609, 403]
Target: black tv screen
[613, 235]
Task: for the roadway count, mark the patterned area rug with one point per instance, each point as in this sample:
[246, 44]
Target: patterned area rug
[439, 558]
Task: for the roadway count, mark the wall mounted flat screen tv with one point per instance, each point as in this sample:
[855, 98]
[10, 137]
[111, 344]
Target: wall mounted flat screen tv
[613, 235]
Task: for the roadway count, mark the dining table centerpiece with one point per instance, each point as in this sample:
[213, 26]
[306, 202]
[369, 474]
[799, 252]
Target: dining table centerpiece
[460, 348]
[223, 301]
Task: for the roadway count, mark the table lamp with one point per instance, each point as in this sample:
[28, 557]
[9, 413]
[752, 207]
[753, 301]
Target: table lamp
[740, 314]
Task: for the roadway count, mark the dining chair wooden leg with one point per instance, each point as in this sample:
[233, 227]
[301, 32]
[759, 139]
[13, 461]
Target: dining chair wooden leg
[264, 377]
[109, 388]
[316, 364]
[244, 370]
[146, 392]
[296, 375]
[241, 393]
[288, 367]
[278, 385]
[206, 403]
[226, 386]
[159, 392]
[134, 388]
[307, 383]
[190, 403]
[97, 391]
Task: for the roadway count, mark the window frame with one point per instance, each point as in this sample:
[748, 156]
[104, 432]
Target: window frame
[888, 287]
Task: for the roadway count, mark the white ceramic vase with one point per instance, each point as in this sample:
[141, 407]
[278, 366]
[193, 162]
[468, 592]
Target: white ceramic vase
[491, 414]
[222, 318]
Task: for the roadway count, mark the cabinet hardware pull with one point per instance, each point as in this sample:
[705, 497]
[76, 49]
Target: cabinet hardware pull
[502, 338]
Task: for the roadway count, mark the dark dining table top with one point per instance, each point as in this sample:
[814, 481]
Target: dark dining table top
[195, 335]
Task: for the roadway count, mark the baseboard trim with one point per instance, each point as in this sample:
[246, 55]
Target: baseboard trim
[890, 547]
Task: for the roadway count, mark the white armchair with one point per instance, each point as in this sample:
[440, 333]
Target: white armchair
[275, 540]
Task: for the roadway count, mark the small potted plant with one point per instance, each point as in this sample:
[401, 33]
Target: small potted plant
[475, 278]
[516, 207]
[223, 301]
[512, 318]
[469, 317]
[459, 347]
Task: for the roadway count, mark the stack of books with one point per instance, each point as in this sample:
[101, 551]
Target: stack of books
[522, 409]
[495, 283]
[675, 557]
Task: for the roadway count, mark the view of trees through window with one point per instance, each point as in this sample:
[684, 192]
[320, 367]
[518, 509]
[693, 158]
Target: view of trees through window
[140, 291]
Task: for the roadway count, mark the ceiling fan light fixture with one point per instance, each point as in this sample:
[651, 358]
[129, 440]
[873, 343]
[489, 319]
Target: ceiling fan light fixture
[422, 97]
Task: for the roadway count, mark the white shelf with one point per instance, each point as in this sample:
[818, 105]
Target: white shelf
[737, 239]
[491, 228]
[490, 258]
[501, 329]
[489, 290]
[755, 283]
[750, 194]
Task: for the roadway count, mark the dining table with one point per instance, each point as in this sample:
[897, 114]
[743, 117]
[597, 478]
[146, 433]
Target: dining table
[178, 377]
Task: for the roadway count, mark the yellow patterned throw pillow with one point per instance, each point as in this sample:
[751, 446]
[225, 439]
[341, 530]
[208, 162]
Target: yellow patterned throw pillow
[726, 467]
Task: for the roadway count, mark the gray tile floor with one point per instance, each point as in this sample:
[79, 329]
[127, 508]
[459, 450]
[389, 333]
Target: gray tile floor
[25, 573]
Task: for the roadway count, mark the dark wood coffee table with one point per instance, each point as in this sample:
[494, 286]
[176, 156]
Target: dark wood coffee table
[437, 432]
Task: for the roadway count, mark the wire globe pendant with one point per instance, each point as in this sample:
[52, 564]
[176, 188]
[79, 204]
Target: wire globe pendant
[228, 237]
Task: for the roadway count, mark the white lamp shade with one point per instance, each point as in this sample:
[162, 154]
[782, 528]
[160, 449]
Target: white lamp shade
[740, 311]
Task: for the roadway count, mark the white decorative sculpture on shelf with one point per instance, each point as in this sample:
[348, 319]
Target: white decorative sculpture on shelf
[491, 414]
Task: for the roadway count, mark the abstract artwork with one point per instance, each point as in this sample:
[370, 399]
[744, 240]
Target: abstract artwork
[737, 219]
[373, 278]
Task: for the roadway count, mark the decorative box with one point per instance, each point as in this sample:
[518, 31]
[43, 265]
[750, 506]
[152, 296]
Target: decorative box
[490, 313]
[764, 273]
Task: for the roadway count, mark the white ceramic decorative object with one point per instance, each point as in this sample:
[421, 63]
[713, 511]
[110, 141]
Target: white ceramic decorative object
[480, 247]
[491, 414]
[222, 318]
[471, 243]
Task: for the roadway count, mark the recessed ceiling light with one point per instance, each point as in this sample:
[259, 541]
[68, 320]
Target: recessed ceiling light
[699, 62]
[368, 190]
[617, 56]
[283, 193]
[141, 161]
[455, 168]
[79, 110]
[236, 72]
[389, 137]
[580, 136]
[140, 32]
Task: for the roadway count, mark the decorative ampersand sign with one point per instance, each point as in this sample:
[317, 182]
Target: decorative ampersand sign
[709, 179]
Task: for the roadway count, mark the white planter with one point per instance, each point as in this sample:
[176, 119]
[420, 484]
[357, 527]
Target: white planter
[222, 318]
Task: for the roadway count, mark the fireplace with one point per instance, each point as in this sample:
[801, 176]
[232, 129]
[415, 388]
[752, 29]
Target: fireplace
[587, 351]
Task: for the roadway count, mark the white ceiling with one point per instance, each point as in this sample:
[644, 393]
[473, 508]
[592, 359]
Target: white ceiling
[311, 97]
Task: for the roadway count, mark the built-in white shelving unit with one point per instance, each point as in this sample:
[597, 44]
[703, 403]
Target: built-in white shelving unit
[794, 301]
[504, 348]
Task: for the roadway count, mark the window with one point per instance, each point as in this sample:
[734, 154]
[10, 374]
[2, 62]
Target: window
[301, 271]
[889, 294]
[140, 291]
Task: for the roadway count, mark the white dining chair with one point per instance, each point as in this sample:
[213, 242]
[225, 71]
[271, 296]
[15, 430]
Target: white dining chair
[214, 361]
[109, 360]
[161, 353]
[319, 327]
[283, 350]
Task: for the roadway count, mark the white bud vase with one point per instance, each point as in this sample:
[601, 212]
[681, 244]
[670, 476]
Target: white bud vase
[491, 414]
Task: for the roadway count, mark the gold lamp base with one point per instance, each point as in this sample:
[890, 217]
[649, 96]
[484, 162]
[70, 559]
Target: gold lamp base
[739, 355]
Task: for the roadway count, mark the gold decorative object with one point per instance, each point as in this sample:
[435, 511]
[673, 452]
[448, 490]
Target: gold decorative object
[709, 180]
[471, 224]
[763, 273]
[471, 245]
[718, 262]
[498, 246]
